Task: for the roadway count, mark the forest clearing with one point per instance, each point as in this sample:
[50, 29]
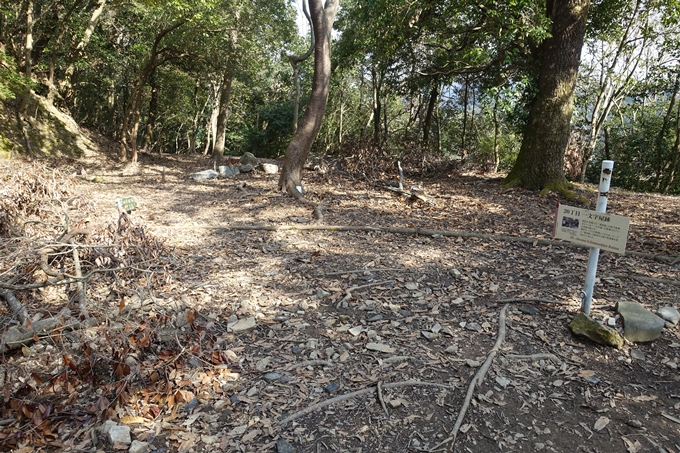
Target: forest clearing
[207, 337]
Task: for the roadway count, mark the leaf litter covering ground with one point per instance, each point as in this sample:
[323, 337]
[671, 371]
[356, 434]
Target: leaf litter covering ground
[334, 312]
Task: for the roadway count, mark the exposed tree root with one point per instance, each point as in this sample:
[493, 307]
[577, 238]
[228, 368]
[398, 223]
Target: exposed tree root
[341, 398]
[17, 308]
[669, 259]
[534, 357]
[476, 381]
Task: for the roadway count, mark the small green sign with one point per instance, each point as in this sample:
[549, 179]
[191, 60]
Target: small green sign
[126, 204]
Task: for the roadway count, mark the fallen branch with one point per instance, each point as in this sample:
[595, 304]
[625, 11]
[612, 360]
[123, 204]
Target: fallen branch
[641, 278]
[18, 336]
[17, 308]
[669, 259]
[380, 398]
[361, 271]
[366, 391]
[476, 381]
[348, 291]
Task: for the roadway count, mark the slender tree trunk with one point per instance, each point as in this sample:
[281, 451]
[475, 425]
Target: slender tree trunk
[675, 156]
[434, 95]
[222, 113]
[308, 129]
[540, 163]
[496, 133]
[150, 130]
[463, 138]
[376, 106]
[660, 137]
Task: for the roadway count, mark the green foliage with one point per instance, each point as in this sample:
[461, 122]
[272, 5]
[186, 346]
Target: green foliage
[11, 82]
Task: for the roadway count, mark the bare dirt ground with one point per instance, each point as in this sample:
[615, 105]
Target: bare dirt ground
[334, 312]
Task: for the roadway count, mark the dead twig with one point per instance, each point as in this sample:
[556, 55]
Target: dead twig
[360, 271]
[17, 308]
[348, 291]
[380, 398]
[341, 398]
[476, 381]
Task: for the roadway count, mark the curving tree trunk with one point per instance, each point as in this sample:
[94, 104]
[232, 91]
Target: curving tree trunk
[308, 129]
[540, 163]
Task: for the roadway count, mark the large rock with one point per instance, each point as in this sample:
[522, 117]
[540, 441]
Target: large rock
[205, 174]
[639, 324]
[249, 159]
[229, 170]
[584, 326]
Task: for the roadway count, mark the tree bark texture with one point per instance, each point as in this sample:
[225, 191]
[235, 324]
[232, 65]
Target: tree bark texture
[308, 129]
[222, 113]
[540, 163]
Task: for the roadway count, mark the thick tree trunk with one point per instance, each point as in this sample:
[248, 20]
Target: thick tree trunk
[308, 129]
[540, 163]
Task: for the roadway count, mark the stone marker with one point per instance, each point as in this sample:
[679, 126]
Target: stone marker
[583, 326]
[639, 324]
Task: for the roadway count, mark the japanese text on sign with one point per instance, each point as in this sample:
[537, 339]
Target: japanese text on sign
[591, 228]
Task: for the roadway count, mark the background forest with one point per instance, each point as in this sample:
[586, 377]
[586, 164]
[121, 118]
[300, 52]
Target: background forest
[425, 82]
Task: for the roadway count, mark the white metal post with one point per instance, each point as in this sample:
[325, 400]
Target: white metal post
[605, 180]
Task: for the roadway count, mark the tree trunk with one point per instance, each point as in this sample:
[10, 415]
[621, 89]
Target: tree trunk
[496, 133]
[150, 131]
[308, 129]
[222, 113]
[463, 138]
[675, 156]
[540, 163]
[434, 95]
[376, 106]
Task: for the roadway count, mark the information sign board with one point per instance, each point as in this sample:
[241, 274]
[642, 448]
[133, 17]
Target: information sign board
[591, 228]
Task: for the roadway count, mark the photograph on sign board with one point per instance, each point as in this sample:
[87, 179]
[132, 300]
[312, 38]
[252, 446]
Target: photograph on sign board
[570, 222]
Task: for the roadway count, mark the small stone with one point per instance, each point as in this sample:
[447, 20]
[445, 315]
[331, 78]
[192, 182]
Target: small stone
[447, 331]
[429, 335]
[247, 168]
[139, 447]
[120, 434]
[344, 356]
[582, 325]
[263, 364]
[374, 318]
[272, 377]
[591, 379]
[637, 354]
[473, 326]
[411, 286]
[243, 325]
[108, 424]
[284, 447]
[234, 399]
[436, 328]
[270, 169]
[405, 313]
[331, 388]
[472, 363]
[669, 314]
[329, 352]
[355, 330]
[379, 347]
[281, 318]
[672, 365]
[452, 349]
[528, 310]
[539, 446]
[502, 381]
